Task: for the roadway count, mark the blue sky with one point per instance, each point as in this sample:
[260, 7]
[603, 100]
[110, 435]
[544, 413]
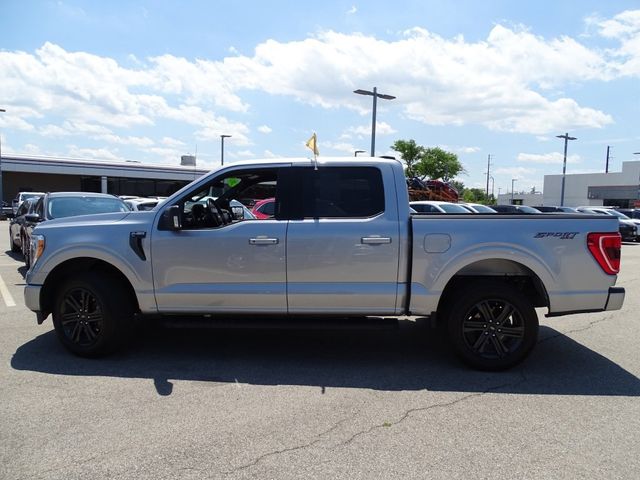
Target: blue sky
[149, 81]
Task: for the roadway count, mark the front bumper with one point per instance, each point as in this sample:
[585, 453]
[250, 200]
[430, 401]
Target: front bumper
[32, 300]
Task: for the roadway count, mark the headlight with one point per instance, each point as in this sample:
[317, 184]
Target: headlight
[37, 248]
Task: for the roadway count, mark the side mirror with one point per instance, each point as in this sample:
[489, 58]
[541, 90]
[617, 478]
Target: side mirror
[171, 218]
[32, 218]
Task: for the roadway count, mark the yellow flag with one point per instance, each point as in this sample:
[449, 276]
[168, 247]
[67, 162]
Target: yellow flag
[312, 144]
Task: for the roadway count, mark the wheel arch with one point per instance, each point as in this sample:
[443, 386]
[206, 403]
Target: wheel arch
[73, 266]
[504, 270]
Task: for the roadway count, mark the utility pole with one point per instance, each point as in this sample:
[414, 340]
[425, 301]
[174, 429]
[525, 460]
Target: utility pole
[488, 170]
[222, 137]
[564, 164]
[606, 168]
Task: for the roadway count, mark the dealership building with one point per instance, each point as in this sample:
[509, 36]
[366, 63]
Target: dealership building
[617, 189]
[621, 189]
[22, 173]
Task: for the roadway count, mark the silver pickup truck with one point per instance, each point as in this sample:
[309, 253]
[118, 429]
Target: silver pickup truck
[342, 242]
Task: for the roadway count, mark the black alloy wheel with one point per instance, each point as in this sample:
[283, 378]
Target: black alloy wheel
[81, 317]
[93, 313]
[491, 324]
[493, 328]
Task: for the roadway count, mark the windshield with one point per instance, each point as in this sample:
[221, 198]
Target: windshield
[526, 209]
[453, 208]
[484, 209]
[60, 207]
[618, 214]
[26, 196]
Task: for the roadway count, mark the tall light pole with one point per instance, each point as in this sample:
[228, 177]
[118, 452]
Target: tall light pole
[564, 164]
[222, 137]
[355, 154]
[375, 95]
[488, 174]
[2, 110]
[513, 180]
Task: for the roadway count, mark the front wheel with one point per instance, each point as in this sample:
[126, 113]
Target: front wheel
[93, 315]
[491, 325]
[14, 248]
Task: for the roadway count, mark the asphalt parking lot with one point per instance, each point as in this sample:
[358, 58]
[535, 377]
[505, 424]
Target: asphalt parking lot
[337, 403]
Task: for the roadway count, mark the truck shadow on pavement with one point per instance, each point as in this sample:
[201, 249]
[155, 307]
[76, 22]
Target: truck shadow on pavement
[410, 357]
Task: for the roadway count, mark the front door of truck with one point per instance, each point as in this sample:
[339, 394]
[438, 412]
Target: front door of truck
[232, 265]
[343, 247]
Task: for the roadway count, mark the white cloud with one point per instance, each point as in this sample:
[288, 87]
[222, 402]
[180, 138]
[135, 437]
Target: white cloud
[547, 158]
[172, 142]
[128, 140]
[338, 147]
[382, 128]
[96, 153]
[624, 24]
[505, 82]
[458, 149]
[515, 172]
[269, 154]
[244, 153]
[352, 10]
[31, 149]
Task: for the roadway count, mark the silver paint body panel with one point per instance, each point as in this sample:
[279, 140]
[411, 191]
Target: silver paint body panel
[331, 266]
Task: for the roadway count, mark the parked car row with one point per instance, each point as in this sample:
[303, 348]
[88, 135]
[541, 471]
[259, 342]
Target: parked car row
[629, 227]
[49, 206]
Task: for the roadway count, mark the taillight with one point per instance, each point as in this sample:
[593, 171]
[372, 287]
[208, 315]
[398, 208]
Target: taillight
[605, 248]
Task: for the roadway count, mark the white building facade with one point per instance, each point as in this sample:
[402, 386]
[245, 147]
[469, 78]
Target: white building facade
[620, 189]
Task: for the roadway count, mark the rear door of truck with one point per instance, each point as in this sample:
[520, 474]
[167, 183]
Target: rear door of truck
[343, 241]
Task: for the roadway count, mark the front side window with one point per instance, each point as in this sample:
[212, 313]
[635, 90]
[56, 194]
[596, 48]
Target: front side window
[227, 199]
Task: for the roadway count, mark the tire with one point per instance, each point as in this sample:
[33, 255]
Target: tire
[14, 248]
[26, 253]
[491, 325]
[93, 315]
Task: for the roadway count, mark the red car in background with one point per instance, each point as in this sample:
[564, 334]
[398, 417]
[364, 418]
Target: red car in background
[264, 208]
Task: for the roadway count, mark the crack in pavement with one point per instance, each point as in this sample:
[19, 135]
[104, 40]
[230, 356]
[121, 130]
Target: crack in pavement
[318, 439]
[577, 330]
[402, 418]
[430, 407]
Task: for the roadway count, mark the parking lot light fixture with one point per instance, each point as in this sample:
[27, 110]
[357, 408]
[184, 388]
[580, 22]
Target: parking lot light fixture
[355, 154]
[375, 96]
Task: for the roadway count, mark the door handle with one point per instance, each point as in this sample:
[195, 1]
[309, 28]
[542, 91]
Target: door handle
[375, 240]
[263, 241]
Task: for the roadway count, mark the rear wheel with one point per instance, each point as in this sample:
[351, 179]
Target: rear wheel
[492, 325]
[93, 315]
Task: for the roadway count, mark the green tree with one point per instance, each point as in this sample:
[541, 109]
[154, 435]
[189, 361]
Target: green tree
[437, 163]
[458, 185]
[411, 153]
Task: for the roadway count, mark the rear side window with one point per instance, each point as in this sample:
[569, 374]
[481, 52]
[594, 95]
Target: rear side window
[341, 192]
